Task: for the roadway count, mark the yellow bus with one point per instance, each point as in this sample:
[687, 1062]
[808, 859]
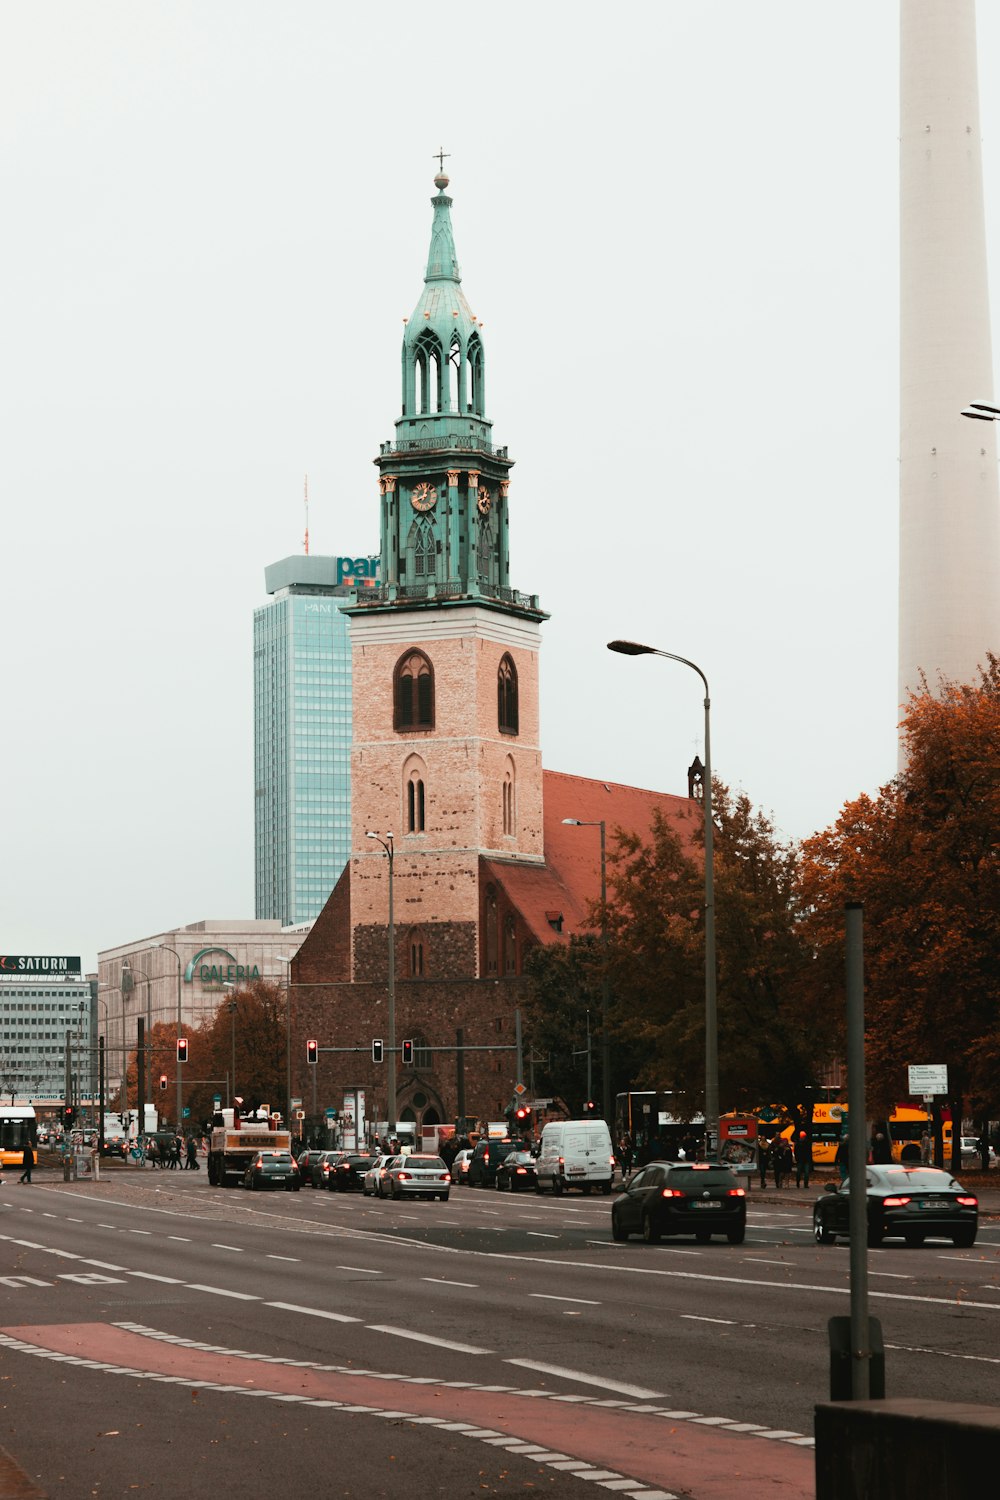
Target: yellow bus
[905, 1126]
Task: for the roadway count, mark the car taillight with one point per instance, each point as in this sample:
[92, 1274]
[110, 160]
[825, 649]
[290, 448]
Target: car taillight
[402, 1176]
[968, 1202]
[736, 1192]
[446, 1177]
[895, 1202]
[611, 1160]
[521, 1171]
[671, 1193]
[486, 1156]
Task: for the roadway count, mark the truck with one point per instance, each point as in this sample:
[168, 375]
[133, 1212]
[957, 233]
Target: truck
[235, 1139]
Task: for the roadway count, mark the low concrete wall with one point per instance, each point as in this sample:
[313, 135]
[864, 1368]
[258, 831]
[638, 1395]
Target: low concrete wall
[894, 1450]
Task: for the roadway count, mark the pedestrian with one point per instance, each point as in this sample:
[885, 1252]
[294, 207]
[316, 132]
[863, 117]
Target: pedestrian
[153, 1152]
[192, 1164]
[803, 1159]
[926, 1148]
[842, 1157]
[781, 1159]
[175, 1152]
[881, 1149]
[27, 1162]
[763, 1153]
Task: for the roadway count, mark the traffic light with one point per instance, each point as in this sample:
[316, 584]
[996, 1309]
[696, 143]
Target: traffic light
[182, 1049]
[69, 1115]
[408, 1053]
[589, 1107]
[312, 1052]
[522, 1114]
[377, 1049]
[163, 1082]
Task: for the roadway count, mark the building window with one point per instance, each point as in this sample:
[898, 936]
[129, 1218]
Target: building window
[507, 696]
[423, 1057]
[416, 953]
[415, 803]
[414, 692]
[509, 945]
[491, 930]
[509, 811]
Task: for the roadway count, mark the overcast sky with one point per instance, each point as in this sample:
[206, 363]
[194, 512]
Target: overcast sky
[679, 225]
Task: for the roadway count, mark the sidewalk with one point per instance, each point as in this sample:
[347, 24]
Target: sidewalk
[985, 1185]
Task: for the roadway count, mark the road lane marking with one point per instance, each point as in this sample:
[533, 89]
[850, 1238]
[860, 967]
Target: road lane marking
[312, 1312]
[895, 1275]
[140, 1231]
[221, 1291]
[425, 1338]
[550, 1297]
[538, 1234]
[184, 1239]
[364, 1270]
[104, 1265]
[441, 1281]
[639, 1392]
[236, 1249]
[697, 1318]
[294, 1258]
[151, 1276]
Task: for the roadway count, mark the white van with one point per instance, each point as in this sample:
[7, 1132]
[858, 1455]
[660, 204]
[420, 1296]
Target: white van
[575, 1153]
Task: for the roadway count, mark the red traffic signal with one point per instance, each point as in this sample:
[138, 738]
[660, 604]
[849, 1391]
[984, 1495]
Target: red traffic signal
[69, 1115]
[163, 1081]
[312, 1052]
[522, 1112]
[408, 1052]
[182, 1049]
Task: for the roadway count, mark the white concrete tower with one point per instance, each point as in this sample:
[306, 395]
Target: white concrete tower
[949, 500]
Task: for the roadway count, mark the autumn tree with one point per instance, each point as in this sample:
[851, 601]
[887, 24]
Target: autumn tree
[565, 1001]
[252, 1020]
[923, 857]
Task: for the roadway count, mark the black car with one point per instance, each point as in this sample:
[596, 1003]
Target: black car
[347, 1173]
[485, 1159]
[516, 1173]
[305, 1159]
[273, 1169]
[907, 1202]
[667, 1198]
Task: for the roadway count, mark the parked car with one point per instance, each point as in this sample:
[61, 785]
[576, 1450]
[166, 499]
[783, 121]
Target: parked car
[373, 1176]
[321, 1164]
[971, 1154]
[670, 1198]
[305, 1159]
[516, 1173]
[907, 1202]
[460, 1169]
[273, 1169]
[347, 1173]
[486, 1157]
[576, 1153]
[417, 1176]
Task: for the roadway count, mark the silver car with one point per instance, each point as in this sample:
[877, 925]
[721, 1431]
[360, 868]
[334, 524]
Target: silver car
[417, 1177]
[372, 1179]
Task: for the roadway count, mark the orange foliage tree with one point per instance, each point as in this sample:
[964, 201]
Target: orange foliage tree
[924, 859]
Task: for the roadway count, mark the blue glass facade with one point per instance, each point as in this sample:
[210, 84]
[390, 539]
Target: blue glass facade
[302, 738]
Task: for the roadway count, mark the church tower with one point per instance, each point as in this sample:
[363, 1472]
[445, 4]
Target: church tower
[446, 753]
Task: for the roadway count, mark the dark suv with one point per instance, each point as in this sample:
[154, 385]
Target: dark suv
[667, 1198]
[485, 1159]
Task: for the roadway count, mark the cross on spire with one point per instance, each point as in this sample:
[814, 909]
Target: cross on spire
[440, 157]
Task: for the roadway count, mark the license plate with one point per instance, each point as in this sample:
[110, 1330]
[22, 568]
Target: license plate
[934, 1203]
[713, 1204]
[577, 1171]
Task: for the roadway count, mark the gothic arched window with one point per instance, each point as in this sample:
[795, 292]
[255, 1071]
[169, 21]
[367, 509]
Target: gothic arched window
[509, 809]
[428, 360]
[420, 543]
[474, 379]
[490, 914]
[507, 720]
[413, 692]
[486, 556]
[416, 952]
[414, 803]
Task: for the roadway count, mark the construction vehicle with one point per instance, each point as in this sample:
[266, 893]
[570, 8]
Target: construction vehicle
[235, 1139]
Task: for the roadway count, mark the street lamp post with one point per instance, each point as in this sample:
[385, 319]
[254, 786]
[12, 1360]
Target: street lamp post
[387, 845]
[179, 1065]
[632, 648]
[283, 959]
[128, 965]
[605, 1039]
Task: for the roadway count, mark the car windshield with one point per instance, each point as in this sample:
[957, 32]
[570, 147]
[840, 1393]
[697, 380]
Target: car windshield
[697, 1179]
[425, 1163]
[520, 1159]
[274, 1160]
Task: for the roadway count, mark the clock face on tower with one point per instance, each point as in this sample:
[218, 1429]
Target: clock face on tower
[484, 500]
[424, 496]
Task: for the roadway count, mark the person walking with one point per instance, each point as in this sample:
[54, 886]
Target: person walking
[803, 1159]
[881, 1149]
[842, 1157]
[27, 1162]
[175, 1152]
[763, 1152]
[781, 1157]
[192, 1164]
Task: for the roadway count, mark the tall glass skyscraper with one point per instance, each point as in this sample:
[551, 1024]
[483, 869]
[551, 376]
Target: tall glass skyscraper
[302, 733]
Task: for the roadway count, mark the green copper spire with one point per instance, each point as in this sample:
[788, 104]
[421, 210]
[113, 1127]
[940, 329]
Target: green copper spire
[442, 262]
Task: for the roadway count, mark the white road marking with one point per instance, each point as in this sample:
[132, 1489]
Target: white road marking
[236, 1249]
[311, 1312]
[182, 1237]
[104, 1265]
[425, 1338]
[365, 1270]
[74, 1221]
[113, 1226]
[22, 1281]
[221, 1291]
[284, 1257]
[758, 1260]
[895, 1275]
[639, 1392]
[549, 1297]
[441, 1281]
[140, 1231]
[90, 1278]
[697, 1318]
[538, 1234]
[151, 1276]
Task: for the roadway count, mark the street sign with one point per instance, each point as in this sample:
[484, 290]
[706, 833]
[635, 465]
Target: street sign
[769, 1116]
[296, 1103]
[331, 1114]
[930, 1078]
[217, 1100]
[300, 1114]
[519, 1089]
[185, 1112]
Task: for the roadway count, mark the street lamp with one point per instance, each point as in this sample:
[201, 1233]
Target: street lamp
[982, 411]
[180, 965]
[128, 966]
[282, 959]
[632, 648]
[605, 1040]
[387, 845]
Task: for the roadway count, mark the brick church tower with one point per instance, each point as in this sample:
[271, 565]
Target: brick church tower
[446, 753]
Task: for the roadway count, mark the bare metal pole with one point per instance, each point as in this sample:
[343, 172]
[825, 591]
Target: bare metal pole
[858, 1205]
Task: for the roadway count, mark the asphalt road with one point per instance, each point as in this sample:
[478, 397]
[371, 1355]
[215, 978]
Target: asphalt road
[492, 1344]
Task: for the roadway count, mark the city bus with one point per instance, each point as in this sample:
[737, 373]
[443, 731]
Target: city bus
[904, 1127]
[18, 1128]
